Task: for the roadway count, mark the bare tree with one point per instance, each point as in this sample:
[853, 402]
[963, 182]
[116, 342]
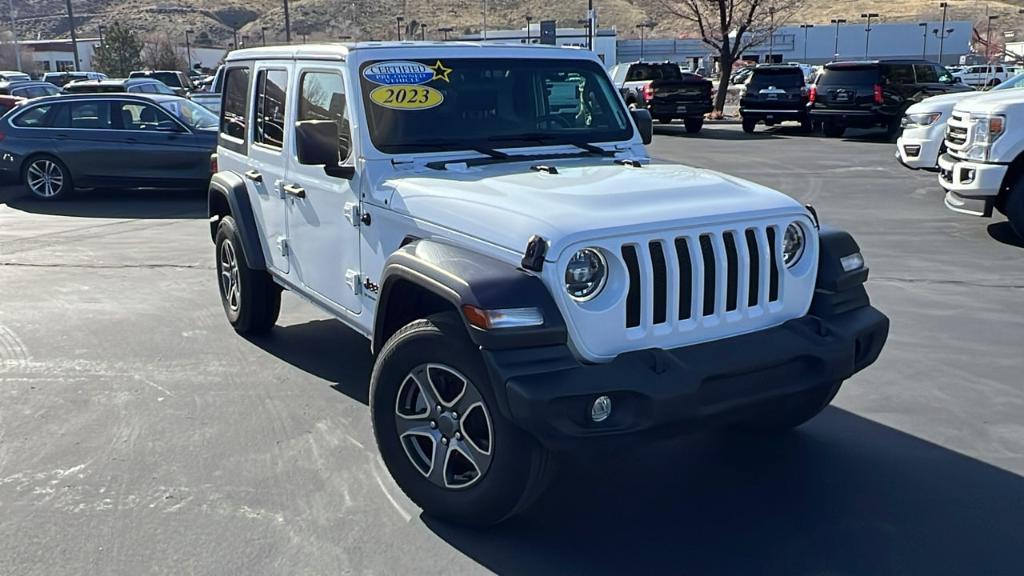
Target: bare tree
[731, 27]
[161, 53]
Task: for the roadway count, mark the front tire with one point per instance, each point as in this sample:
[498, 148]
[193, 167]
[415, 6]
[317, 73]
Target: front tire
[439, 430]
[251, 299]
[47, 178]
[1013, 206]
[784, 414]
[693, 125]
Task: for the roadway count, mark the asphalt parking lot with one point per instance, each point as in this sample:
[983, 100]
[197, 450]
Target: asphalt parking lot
[140, 435]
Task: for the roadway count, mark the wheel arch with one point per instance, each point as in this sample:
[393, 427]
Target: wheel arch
[424, 277]
[228, 196]
[1014, 173]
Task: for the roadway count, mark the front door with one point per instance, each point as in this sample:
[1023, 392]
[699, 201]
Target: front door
[322, 211]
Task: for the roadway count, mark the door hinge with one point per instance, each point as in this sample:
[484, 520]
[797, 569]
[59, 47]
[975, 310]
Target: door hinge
[353, 280]
[282, 245]
[352, 213]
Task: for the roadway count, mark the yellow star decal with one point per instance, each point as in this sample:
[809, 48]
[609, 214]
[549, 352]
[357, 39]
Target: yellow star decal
[440, 72]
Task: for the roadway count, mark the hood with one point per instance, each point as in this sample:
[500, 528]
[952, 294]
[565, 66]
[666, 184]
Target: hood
[942, 102]
[506, 204]
[993, 102]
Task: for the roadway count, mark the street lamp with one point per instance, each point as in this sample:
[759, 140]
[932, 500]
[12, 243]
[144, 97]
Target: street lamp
[867, 31]
[528, 20]
[423, 31]
[988, 36]
[188, 48]
[924, 40]
[805, 28]
[644, 26]
[263, 35]
[942, 37]
[445, 31]
[399, 20]
[837, 22]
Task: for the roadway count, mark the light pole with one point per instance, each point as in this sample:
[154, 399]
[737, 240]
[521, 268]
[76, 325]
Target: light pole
[528, 20]
[101, 28]
[74, 37]
[445, 31]
[988, 37]
[771, 33]
[867, 31]
[837, 22]
[805, 28]
[924, 40]
[398, 26]
[642, 26]
[263, 35]
[484, 35]
[234, 34]
[423, 31]
[287, 24]
[942, 37]
[245, 41]
[590, 24]
[188, 49]
[14, 35]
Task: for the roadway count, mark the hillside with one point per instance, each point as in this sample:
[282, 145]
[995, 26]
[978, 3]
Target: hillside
[213, 20]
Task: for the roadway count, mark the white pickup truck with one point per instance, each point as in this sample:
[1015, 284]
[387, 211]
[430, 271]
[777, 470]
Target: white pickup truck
[983, 167]
[209, 97]
[986, 75]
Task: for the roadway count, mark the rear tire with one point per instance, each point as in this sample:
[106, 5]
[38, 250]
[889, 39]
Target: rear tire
[431, 401]
[693, 125]
[787, 413]
[832, 130]
[749, 125]
[47, 178]
[1013, 206]
[251, 299]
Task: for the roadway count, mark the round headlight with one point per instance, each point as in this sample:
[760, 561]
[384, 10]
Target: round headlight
[586, 273]
[793, 243]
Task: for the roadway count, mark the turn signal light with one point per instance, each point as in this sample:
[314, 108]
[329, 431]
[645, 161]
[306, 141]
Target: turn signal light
[502, 318]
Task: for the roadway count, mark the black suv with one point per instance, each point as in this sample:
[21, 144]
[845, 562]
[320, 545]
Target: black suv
[875, 93]
[774, 93]
[665, 90]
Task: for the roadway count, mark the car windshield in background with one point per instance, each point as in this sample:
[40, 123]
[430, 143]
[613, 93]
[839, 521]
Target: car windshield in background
[849, 76]
[193, 115]
[648, 72]
[168, 78]
[1015, 82]
[779, 78]
[466, 104]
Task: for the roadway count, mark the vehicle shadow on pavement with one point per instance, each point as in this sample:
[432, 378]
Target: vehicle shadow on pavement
[326, 349]
[717, 133]
[148, 204]
[843, 495]
[1003, 232]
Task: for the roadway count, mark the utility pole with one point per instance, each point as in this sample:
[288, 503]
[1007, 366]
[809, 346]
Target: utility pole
[484, 35]
[74, 37]
[590, 25]
[14, 35]
[942, 37]
[867, 31]
[528, 20]
[924, 40]
[837, 22]
[287, 24]
[805, 28]
[263, 34]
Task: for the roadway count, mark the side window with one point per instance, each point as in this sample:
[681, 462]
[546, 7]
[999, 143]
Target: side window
[899, 74]
[139, 116]
[36, 117]
[90, 115]
[999, 69]
[234, 114]
[22, 92]
[271, 100]
[925, 73]
[322, 97]
[942, 74]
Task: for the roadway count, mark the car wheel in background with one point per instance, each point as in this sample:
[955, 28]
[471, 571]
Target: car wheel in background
[251, 299]
[664, 119]
[693, 125]
[47, 178]
[749, 125]
[833, 130]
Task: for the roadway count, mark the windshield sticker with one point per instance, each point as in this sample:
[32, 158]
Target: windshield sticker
[399, 72]
[406, 97]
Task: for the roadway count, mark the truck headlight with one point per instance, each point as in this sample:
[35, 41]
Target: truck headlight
[793, 242]
[985, 130]
[586, 273]
[921, 120]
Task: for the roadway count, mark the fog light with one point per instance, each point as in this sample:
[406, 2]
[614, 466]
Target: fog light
[967, 176]
[601, 409]
[913, 151]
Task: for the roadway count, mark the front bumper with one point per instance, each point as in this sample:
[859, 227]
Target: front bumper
[549, 393]
[971, 187]
[918, 148]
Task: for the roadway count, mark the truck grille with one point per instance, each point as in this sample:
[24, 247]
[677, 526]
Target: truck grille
[957, 132]
[957, 135]
[711, 274]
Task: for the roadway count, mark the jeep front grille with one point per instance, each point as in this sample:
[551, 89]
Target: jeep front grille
[703, 275]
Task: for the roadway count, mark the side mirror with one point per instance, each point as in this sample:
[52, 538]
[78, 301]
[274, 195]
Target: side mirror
[317, 144]
[644, 123]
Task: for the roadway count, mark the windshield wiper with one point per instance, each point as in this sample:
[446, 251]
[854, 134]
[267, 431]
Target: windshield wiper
[549, 140]
[496, 154]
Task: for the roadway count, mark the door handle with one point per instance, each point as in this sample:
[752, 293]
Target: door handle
[254, 176]
[293, 190]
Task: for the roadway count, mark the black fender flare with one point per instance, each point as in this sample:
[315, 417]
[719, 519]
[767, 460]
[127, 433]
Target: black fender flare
[462, 277]
[837, 290]
[230, 188]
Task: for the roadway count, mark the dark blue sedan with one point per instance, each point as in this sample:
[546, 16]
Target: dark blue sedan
[58, 143]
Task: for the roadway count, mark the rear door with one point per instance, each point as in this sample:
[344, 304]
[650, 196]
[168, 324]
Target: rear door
[847, 87]
[87, 142]
[323, 219]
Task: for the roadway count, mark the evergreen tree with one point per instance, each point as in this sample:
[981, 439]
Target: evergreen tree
[120, 53]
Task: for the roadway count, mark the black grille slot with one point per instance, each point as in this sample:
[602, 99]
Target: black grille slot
[685, 279]
[660, 283]
[732, 271]
[773, 273]
[755, 268]
[707, 253]
[633, 296]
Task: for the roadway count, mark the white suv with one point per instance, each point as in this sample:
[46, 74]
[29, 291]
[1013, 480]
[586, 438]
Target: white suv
[526, 279]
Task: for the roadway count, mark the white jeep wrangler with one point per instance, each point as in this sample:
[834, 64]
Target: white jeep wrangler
[528, 281]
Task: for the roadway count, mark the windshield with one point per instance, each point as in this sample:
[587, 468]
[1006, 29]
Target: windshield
[787, 78]
[193, 115]
[1015, 82]
[464, 104]
[168, 78]
[849, 76]
[647, 72]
